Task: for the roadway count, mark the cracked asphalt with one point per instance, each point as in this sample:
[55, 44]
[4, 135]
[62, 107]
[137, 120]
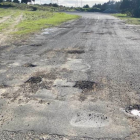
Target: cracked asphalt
[72, 82]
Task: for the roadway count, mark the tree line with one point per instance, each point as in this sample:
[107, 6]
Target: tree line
[130, 7]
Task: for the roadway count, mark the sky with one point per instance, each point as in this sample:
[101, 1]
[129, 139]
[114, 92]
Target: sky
[73, 2]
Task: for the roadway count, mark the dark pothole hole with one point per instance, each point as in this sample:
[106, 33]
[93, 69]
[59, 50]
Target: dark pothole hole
[33, 80]
[29, 65]
[133, 110]
[86, 85]
[76, 51]
[4, 86]
[36, 45]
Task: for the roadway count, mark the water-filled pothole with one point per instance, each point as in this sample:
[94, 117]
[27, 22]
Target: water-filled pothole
[86, 85]
[90, 119]
[133, 110]
[29, 65]
[33, 80]
[76, 51]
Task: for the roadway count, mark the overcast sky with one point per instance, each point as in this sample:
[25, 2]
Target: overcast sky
[73, 2]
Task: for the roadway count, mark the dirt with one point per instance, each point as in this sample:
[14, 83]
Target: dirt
[4, 19]
[5, 37]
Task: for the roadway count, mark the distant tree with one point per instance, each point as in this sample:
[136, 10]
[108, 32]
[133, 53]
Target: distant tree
[1, 1]
[86, 6]
[55, 5]
[24, 1]
[16, 1]
[8, 0]
[131, 6]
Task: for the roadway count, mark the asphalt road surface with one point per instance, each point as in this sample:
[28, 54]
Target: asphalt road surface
[77, 81]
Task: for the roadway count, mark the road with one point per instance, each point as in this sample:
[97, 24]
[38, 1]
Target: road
[77, 81]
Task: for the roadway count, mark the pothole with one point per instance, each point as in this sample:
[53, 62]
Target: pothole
[76, 51]
[29, 65]
[100, 33]
[4, 86]
[36, 45]
[133, 110]
[86, 85]
[90, 119]
[34, 80]
[110, 33]
[132, 38]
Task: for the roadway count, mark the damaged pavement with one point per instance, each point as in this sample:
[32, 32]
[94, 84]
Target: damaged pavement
[79, 81]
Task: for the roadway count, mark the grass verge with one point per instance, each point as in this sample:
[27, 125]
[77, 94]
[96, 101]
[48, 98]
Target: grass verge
[18, 24]
[128, 19]
[34, 21]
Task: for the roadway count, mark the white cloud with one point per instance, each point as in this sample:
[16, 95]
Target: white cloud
[73, 2]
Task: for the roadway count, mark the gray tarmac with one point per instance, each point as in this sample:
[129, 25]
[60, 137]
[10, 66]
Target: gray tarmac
[72, 82]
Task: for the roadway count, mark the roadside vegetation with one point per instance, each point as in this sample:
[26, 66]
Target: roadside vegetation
[17, 23]
[130, 11]
[128, 19]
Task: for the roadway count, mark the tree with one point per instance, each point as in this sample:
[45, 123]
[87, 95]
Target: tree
[131, 6]
[86, 6]
[15, 1]
[8, 0]
[24, 1]
[1, 1]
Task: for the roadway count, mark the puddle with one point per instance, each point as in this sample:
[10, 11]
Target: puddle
[76, 64]
[29, 65]
[76, 51]
[90, 119]
[63, 83]
[48, 31]
[86, 85]
[33, 80]
[133, 110]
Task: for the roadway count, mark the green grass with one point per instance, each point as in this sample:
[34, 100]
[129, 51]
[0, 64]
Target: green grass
[34, 21]
[128, 19]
